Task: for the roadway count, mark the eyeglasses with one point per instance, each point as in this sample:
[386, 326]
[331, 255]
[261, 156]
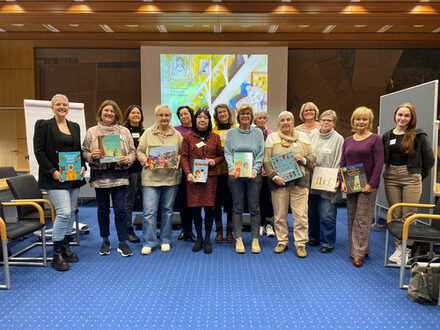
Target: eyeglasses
[309, 110]
[327, 120]
[245, 114]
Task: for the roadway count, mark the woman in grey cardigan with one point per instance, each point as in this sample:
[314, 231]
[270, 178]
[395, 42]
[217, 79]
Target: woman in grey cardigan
[327, 145]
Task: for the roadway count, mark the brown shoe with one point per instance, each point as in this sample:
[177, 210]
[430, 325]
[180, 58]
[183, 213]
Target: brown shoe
[357, 262]
[219, 236]
[229, 236]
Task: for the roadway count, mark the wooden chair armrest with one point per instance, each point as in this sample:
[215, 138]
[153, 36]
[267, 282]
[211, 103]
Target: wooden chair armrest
[27, 202]
[391, 209]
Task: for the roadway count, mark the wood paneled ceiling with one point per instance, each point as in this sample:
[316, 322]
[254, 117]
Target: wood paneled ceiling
[296, 23]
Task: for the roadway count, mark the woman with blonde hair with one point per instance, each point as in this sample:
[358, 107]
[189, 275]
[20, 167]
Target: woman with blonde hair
[408, 160]
[309, 115]
[363, 147]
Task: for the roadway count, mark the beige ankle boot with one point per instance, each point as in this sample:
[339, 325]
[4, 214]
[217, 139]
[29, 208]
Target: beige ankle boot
[255, 246]
[239, 247]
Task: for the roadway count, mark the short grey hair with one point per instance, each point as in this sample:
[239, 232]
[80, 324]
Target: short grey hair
[58, 96]
[261, 113]
[329, 112]
[311, 105]
[161, 107]
[283, 113]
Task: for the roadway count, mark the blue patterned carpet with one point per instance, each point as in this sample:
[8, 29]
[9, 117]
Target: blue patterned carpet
[183, 289]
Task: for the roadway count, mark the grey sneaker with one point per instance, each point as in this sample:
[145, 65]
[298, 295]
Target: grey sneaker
[105, 248]
[124, 249]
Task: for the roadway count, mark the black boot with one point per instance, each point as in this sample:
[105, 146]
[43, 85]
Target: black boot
[68, 255]
[207, 247]
[58, 262]
[198, 244]
[132, 238]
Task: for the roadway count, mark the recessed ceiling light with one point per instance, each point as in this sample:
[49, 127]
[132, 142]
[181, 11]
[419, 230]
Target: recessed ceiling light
[79, 0]
[355, 0]
[303, 26]
[216, 0]
[1, 30]
[360, 25]
[418, 25]
[51, 28]
[424, 0]
[328, 29]
[17, 24]
[205, 25]
[285, 0]
[273, 29]
[106, 28]
[74, 25]
[148, 0]
[132, 25]
[217, 28]
[162, 28]
[437, 30]
[384, 28]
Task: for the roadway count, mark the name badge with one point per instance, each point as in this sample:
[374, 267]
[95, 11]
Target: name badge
[200, 144]
[393, 141]
[135, 135]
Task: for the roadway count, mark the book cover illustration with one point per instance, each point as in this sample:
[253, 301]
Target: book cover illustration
[110, 147]
[200, 170]
[354, 178]
[162, 157]
[286, 166]
[70, 165]
[243, 162]
[324, 178]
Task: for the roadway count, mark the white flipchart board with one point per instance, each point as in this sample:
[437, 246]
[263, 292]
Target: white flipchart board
[38, 109]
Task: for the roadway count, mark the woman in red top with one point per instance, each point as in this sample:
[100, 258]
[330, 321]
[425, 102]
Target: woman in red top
[201, 143]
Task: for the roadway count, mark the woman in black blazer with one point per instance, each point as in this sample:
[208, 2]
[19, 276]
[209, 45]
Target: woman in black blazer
[52, 136]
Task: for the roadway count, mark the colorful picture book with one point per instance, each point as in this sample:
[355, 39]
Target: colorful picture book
[162, 157]
[243, 162]
[200, 170]
[354, 178]
[286, 166]
[70, 165]
[324, 178]
[110, 147]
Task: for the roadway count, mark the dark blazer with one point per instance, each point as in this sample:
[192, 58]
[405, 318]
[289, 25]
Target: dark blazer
[47, 144]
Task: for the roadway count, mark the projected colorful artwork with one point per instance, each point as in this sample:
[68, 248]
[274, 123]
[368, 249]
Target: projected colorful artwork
[200, 80]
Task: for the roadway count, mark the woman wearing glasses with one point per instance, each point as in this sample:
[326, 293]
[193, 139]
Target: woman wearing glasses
[309, 115]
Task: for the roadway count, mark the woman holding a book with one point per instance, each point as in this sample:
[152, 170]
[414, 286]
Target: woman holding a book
[292, 186]
[158, 151]
[186, 117]
[365, 148]
[408, 161]
[224, 121]
[327, 146]
[244, 152]
[109, 150]
[308, 114]
[133, 120]
[201, 152]
[51, 138]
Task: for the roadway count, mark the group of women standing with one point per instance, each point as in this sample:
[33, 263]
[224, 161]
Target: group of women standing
[405, 150]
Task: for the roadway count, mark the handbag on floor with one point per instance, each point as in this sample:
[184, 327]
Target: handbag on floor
[424, 284]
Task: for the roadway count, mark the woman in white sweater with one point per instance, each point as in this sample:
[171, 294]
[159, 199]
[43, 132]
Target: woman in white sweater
[327, 146]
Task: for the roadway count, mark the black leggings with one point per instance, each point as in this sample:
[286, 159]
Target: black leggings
[198, 221]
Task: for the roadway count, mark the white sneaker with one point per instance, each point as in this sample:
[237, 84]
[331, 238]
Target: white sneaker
[165, 247]
[262, 231]
[269, 231]
[146, 250]
[398, 262]
[395, 257]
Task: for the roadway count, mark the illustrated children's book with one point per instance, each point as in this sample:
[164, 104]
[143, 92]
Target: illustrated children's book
[324, 178]
[200, 170]
[243, 162]
[110, 147]
[162, 157]
[354, 178]
[70, 165]
[286, 166]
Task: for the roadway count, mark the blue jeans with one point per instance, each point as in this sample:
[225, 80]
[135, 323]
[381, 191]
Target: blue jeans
[151, 198]
[64, 201]
[240, 188]
[118, 199]
[322, 220]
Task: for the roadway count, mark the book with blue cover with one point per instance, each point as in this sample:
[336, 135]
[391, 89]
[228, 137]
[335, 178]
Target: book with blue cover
[286, 166]
[354, 178]
[200, 170]
[110, 147]
[70, 165]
